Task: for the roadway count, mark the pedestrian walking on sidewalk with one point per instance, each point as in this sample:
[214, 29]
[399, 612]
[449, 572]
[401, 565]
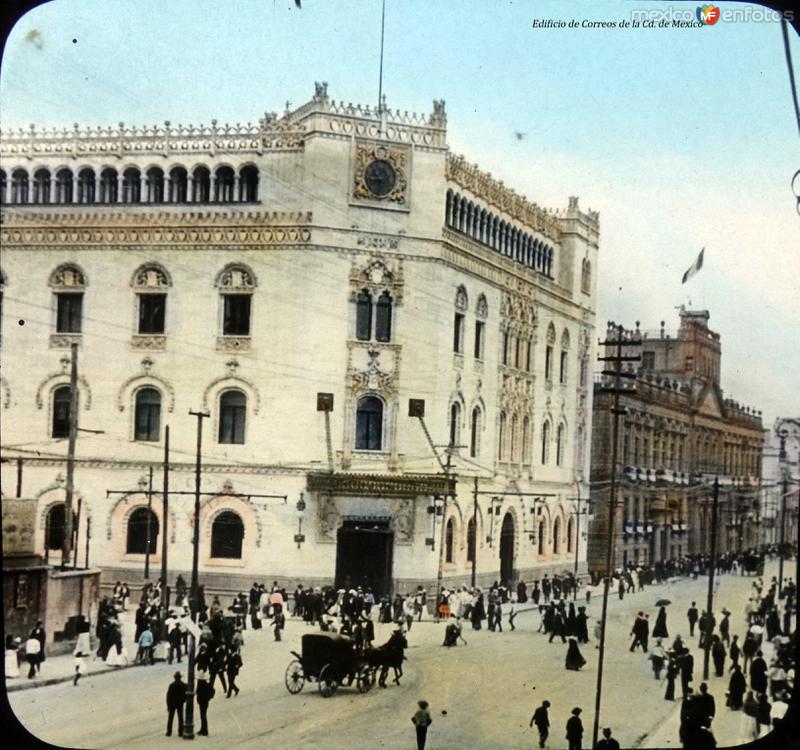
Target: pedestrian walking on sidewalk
[205, 692]
[32, 649]
[176, 697]
[175, 638]
[542, 721]
[232, 666]
[574, 659]
[660, 628]
[692, 616]
[421, 720]
[672, 673]
[734, 652]
[657, 657]
[575, 730]
[737, 686]
[81, 665]
[718, 655]
[758, 674]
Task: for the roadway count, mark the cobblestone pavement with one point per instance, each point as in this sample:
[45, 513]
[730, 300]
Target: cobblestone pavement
[488, 690]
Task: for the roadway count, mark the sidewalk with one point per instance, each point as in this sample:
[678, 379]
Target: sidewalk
[61, 668]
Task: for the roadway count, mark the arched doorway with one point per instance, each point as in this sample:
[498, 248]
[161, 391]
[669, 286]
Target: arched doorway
[507, 549]
[227, 533]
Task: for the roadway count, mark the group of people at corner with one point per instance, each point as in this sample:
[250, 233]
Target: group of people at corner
[698, 708]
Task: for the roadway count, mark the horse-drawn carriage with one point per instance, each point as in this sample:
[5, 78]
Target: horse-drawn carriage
[330, 660]
[753, 564]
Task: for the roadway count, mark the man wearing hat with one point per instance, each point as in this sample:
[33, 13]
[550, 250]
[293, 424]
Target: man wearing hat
[575, 729]
[205, 692]
[176, 697]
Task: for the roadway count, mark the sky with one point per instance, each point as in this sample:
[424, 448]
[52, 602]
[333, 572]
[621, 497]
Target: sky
[681, 138]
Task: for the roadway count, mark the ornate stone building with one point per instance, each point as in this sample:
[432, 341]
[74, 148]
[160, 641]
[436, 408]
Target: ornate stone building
[678, 433]
[242, 270]
[778, 468]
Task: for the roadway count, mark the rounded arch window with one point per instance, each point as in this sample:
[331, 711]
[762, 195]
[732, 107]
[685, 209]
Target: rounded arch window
[19, 186]
[155, 185]
[201, 185]
[557, 536]
[449, 534]
[178, 185]
[232, 417]
[131, 185]
[570, 534]
[55, 523]
[471, 537]
[369, 424]
[142, 534]
[227, 533]
[109, 185]
[86, 186]
[541, 535]
[224, 185]
[64, 186]
[248, 180]
[148, 415]
[3, 181]
[41, 186]
[61, 407]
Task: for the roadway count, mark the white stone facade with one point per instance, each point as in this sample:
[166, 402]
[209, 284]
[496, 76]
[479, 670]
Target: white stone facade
[310, 212]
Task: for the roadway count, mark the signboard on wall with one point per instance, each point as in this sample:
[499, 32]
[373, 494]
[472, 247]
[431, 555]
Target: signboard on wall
[19, 520]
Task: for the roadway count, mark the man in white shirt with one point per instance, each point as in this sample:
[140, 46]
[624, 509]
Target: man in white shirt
[32, 651]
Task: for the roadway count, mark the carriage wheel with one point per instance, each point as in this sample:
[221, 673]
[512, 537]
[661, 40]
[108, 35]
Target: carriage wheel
[365, 679]
[327, 682]
[295, 677]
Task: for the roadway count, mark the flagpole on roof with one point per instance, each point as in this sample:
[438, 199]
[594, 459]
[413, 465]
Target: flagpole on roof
[380, 72]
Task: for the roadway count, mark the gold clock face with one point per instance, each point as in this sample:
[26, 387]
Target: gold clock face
[380, 177]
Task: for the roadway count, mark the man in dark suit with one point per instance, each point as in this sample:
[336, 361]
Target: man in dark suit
[575, 730]
[205, 692]
[692, 616]
[608, 742]
[176, 697]
[542, 721]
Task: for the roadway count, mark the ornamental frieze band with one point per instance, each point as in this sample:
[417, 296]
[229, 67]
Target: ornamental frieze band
[381, 485]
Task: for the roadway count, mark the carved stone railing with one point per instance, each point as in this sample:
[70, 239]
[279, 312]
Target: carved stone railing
[481, 184]
[270, 133]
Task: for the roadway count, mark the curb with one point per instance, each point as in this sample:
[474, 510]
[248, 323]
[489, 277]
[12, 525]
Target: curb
[29, 684]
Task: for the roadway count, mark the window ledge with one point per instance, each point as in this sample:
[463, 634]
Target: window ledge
[233, 343]
[149, 341]
[65, 340]
[224, 562]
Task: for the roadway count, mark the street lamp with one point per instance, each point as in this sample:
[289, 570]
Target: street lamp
[300, 537]
[435, 510]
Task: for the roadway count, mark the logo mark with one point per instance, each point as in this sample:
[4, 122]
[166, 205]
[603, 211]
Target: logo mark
[708, 15]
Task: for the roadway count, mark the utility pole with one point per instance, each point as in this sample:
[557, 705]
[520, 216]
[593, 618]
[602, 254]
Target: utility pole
[165, 522]
[188, 724]
[474, 533]
[148, 526]
[88, 537]
[712, 565]
[66, 550]
[617, 373]
[783, 434]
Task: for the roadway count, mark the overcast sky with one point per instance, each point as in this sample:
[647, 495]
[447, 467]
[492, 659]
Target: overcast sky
[679, 137]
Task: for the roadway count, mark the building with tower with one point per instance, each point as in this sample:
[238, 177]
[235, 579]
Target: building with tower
[243, 270]
[679, 432]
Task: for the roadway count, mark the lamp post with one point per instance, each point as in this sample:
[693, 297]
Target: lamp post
[300, 537]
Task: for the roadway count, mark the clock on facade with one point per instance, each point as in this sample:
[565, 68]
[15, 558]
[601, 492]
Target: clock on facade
[380, 177]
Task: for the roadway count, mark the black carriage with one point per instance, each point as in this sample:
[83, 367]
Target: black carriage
[753, 564]
[330, 660]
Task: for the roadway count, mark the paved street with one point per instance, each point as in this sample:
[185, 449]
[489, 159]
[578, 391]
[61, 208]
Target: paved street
[489, 690]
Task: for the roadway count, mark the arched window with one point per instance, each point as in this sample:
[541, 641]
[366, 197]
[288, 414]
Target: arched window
[501, 450]
[61, 407]
[383, 317]
[224, 185]
[3, 186]
[369, 424]
[475, 433]
[55, 522]
[541, 534]
[557, 536]
[178, 185]
[570, 534]
[236, 283]
[41, 186]
[560, 445]
[109, 186]
[86, 186]
[148, 415]
[448, 541]
[526, 440]
[131, 185]
[545, 442]
[19, 186]
[63, 186]
[227, 534]
[248, 184]
[232, 417]
[363, 315]
[586, 276]
[142, 532]
[471, 538]
[455, 424]
[155, 185]
[201, 185]
[514, 437]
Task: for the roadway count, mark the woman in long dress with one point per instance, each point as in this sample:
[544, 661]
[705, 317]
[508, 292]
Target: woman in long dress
[672, 673]
[737, 686]
[574, 659]
[12, 663]
[718, 654]
[660, 628]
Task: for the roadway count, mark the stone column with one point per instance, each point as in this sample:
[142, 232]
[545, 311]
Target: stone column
[189, 188]
[237, 189]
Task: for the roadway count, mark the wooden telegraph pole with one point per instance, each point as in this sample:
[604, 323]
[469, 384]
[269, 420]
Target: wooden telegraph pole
[66, 550]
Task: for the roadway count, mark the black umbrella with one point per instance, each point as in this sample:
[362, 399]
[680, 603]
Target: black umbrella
[662, 602]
